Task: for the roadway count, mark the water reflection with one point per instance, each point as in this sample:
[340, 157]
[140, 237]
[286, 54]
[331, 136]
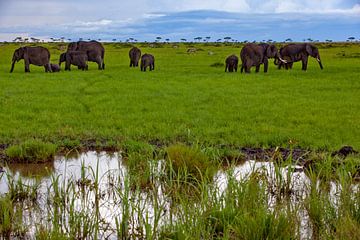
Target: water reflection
[97, 186]
[31, 170]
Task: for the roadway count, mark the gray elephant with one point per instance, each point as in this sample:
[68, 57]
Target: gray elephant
[94, 50]
[77, 58]
[38, 56]
[295, 52]
[231, 63]
[256, 54]
[55, 67]
[134, 55]
[147, 60]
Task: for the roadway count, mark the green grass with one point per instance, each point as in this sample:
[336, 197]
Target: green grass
[31, 151]
[184, 100]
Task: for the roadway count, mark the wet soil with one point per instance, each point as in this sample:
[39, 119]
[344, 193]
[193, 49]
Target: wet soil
[298, 155]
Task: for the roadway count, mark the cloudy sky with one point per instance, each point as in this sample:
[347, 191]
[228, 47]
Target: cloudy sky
[145, 19]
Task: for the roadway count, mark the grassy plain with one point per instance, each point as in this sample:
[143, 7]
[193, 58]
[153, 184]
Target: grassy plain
[184, 100]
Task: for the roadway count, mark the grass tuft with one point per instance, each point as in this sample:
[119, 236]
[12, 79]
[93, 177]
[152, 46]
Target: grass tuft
[31, 151]
[189, 163]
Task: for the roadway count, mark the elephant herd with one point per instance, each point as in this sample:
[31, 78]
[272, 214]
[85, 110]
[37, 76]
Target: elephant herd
[78, 54]
[251, 55]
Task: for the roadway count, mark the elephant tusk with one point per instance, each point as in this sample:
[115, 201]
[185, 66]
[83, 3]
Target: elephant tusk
[318, 59]
[284, 61]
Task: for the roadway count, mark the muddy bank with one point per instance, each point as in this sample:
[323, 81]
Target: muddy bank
[299, 156]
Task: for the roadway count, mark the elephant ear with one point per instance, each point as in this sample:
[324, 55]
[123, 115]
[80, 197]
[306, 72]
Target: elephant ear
[309, 49]
[271, 51]
[72, 46]
[24, 52]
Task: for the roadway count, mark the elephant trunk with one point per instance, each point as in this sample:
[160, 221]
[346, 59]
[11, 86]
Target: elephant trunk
[319, 61]
[276, 61]
[278, 58]
[12, 66]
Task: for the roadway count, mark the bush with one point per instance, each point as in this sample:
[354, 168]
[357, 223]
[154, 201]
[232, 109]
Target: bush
[33, 151]
[188, 163]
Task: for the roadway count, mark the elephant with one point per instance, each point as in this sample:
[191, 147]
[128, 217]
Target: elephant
[256, 54]
[77, 58]
[295, 52]
[147, 60]
[134, 55]
[231, 63]
[55, 67]
[94, 50]
[38, 56]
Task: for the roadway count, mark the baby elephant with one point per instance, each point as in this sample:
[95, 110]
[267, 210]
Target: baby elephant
[55, 67]
[147, 60]
[77, 58]
[231, 63]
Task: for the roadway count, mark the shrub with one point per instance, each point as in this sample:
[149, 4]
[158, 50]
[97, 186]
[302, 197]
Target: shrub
[31, 151]
[189, 163]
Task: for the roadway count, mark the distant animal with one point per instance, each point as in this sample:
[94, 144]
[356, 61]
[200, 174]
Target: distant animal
[77, 58]
[191, 50]
[295, 52]
[134, 55]
[231, 63]
[253, 55]
[94, 50]
[38, 56]
[147, 60]
[55, 67]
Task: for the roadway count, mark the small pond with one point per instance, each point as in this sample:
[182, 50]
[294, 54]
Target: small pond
[93, 188]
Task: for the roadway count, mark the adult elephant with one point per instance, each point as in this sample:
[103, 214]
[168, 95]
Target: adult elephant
[38, 56]
[231, 63]
[134, 55]
[253, 55]
[147, 60]
[295, 52]
[94, 50]
[77, 58]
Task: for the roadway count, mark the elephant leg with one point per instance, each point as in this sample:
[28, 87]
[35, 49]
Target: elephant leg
[304, 63]
[247, 68]
[236, 68]
[131, 63]
[257, 68]
[67, 66]
[226, 67]
[48, 68]
[266, 65]
[242, 68]
[100, 63]
[27, 68]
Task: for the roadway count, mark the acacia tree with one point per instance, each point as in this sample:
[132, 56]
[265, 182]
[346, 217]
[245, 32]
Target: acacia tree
[227, 39]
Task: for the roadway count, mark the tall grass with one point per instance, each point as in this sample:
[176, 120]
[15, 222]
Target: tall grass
[178, 206]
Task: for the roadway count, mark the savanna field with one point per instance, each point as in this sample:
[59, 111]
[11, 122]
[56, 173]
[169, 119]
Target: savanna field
[175, 166]
[188, 98]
